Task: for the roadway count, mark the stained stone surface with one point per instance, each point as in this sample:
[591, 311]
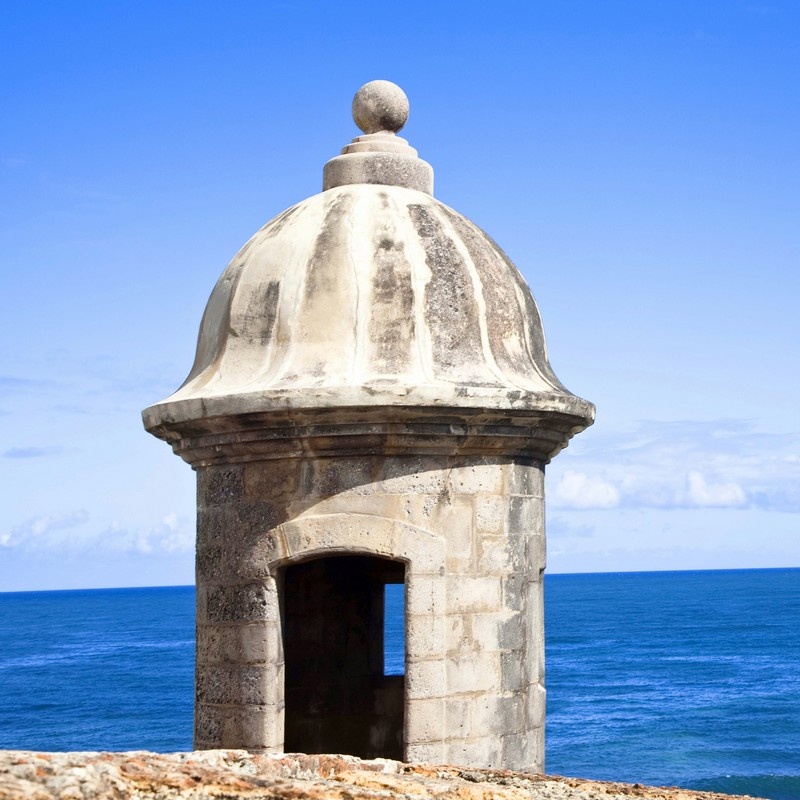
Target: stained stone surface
[234, 774]
[371, 384]
[470, 533]
[380, 107]
[372, 294]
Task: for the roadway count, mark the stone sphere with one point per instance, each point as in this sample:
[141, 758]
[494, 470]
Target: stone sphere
[380, 107]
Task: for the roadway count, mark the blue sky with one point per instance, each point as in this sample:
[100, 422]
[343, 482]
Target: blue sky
[639, 161]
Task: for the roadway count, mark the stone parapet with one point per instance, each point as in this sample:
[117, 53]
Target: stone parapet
[234, 774]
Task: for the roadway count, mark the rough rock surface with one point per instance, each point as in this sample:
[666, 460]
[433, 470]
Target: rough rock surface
[232, 774]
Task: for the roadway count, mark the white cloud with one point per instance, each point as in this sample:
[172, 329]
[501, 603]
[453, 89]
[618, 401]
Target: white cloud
[171, 535]
[578, 490]
[69, 533]
[43, 530]
[717, 464]
[701, 493]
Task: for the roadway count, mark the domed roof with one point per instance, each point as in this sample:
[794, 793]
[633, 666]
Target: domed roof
[370, 294]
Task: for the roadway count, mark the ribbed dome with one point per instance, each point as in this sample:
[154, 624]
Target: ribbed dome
[370, 295]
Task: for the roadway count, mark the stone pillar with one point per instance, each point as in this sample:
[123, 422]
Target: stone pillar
[239, 658]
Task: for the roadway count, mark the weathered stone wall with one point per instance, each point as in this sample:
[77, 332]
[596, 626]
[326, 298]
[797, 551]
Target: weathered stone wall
[470, 532]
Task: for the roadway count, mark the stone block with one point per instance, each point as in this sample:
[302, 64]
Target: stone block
[473, 672]
[239, 685]
[208, 724]
[494, 556]
[353, 474]
[209, 645]
[424, 549]
[241, 559]
[448, 519]
[535, 629]
[535, 705]
[536, 554]
[529, 748]
[448, 514]
[468, 595]
[252, 727]
[458, 633]
[425, 752]
[521, 751]
[526, 478]
[525, 516]
[425, 595]
[512, 632]
[481, 752]
[219, 485]
[210, 562]
[257, 518]
[455, 520]
[215, 523]
[425, 635]
[425, 720]
[338, 533]
[417, 509]
[513, 671]
[413, 475]
[426, 679]
[252, 602]
[254, 643]
[274, 727]
[375, 505]
[498, 714]
[478, 632]
[514, 590]
[490, 514]
[487, 629]
[273, 481]
[458, 718]
[262, 640]
[480, 476]
[243, 555]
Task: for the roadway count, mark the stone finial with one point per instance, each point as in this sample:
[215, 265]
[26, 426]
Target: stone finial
[380, 107]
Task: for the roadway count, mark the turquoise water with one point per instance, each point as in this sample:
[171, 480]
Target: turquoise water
[679, 678]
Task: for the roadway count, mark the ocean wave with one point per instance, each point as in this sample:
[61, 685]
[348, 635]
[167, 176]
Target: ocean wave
[71, 654]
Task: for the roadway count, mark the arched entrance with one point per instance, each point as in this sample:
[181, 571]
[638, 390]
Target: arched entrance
[338, 697]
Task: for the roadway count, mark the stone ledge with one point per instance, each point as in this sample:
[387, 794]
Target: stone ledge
[232, 774]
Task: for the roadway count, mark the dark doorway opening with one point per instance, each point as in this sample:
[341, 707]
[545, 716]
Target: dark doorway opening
[338, 697]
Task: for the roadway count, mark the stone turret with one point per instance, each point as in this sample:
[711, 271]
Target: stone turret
[371, 403]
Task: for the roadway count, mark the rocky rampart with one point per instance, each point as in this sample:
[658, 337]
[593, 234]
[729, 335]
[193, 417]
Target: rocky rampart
[234, 774]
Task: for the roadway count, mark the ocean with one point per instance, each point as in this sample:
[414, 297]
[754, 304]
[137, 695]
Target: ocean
[665, 678]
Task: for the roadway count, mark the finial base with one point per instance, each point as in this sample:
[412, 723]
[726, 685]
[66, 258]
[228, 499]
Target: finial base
[384, 168]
